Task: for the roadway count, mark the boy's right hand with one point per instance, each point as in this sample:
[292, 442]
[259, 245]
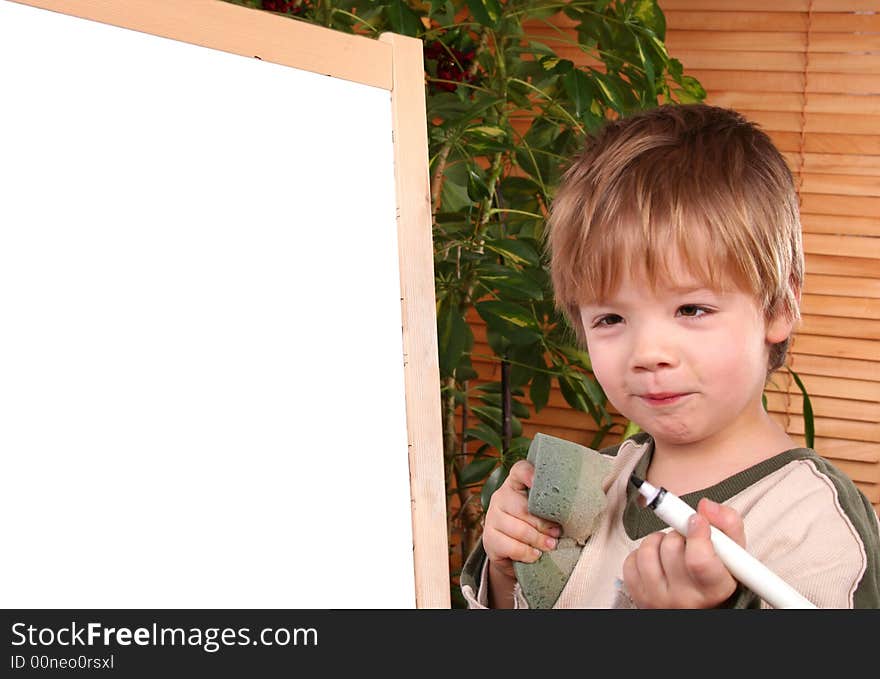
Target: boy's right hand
[510, 533]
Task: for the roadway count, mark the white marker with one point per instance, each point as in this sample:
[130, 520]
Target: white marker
[742, 565]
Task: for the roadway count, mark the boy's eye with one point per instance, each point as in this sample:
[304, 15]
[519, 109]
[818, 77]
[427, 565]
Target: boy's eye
[610, 319]
[692, 310]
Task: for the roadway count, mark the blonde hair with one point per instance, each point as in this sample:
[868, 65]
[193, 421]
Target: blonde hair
[694, 181]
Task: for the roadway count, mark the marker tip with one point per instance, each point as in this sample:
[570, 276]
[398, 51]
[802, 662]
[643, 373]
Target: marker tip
[636, 481]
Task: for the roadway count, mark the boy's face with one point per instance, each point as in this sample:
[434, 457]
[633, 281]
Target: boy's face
[685, 362]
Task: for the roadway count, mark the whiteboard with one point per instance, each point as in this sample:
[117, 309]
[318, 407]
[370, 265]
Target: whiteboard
[202, 395]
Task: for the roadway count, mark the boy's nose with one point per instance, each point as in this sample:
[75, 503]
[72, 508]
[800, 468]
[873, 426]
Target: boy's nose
[652, 352]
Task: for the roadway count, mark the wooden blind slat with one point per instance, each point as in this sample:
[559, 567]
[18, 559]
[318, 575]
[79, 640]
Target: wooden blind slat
[841, 185]
[737, 21]
[852, 246]
[820, 284]
[859, 390]
[844, 63]
[837, 408]
[838, 347]
[845, 124]
[843, 266]
[840, 327]
[868, 144]
[777, 121]
[832, 6]
[845, 429]
[757, 101]
[739, 6]
[848, 307]
[840, 224]
[843, 42]
[832, 366]
[851, 5]
[844, 83]
[841, 105]
[848, 22]
[856, 206]
[842, 286]
[785, 141]
[748, 60]
[847, 104]
[837, 163]
[735, 41]
[749, 81]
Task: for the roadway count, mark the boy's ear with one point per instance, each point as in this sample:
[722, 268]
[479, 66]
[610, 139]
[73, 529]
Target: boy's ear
[782, 324]
[779, 328]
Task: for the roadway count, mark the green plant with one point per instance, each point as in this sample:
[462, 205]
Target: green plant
[505, 114]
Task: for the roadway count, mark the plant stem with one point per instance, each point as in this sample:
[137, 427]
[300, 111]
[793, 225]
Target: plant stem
[437, 179]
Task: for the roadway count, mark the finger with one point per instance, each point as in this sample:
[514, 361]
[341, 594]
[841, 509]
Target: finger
[672, 553]
[506, 547]
[703, 565]
[650, 568]
[725, 518]
[525, 532]
[632, 580]
[516, 503]
[521, 476]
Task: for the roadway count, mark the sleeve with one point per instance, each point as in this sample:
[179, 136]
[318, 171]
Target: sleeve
[817, 532]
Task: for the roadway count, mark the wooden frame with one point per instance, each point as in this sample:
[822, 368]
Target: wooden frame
[393, 63]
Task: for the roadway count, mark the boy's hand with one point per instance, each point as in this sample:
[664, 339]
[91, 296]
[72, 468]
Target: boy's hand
[510, 533]
[670, 571]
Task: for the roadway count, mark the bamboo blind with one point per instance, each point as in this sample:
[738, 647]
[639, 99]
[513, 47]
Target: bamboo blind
[808, 71]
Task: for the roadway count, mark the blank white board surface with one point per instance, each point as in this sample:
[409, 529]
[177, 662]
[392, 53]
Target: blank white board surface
[201, 386]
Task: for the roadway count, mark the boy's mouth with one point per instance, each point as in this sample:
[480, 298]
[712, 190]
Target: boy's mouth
[662, 399]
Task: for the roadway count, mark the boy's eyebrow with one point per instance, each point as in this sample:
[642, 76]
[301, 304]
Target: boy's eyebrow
[684, 289]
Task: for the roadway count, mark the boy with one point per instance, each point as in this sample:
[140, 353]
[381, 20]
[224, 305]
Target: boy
[676, 253]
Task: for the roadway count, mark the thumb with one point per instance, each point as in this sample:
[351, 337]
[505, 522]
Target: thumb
[724, 518]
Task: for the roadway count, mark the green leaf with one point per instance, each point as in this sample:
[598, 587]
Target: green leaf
[610, 88]
[494, 400]
[509, 280]
[648, 65]
[477, 470]
[511, 320]
[489, 130]
[515, 250]
[579, 90]
[476, 187]
[576, 356]
[495, 388]
[491, 415]
[454, 196]
[496, 478]
[487, 12]
[453, 336]
[403, 19]
[539, 391]
[600, 436]
[651, 16]
[593, 389]
[519, 448]
[809, 422]
[485, 433]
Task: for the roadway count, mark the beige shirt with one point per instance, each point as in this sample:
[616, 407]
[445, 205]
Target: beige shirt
[803, 519]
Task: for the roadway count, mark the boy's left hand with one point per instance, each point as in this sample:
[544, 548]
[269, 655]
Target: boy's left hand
[671, 571]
